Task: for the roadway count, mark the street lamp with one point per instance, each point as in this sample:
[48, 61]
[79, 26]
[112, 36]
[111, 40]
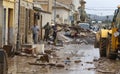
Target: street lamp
[18, 32]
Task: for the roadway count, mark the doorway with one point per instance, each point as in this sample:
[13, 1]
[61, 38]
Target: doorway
[10, 26]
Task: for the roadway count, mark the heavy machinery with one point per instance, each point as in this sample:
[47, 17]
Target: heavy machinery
[108, 40]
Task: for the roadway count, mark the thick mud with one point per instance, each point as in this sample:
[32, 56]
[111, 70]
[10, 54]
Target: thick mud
[74, 57]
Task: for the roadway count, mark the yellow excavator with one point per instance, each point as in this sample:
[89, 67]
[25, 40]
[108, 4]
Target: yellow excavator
[108, 40]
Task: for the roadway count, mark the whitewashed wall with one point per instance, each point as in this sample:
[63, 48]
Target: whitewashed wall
[64, 14]
[46, 17]
[76, 3]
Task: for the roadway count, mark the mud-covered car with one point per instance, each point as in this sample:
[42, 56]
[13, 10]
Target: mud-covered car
[85, 26]
[3, 62]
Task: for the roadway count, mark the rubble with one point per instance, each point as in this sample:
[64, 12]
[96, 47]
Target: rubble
[9, 50]
[60, 65]
[105, 65]
[89, 62]
[38, 64]
[67, 61]
[105, 71]
[43, 58]
[52, 64]
[48, 51]
[81, 57]
[77, 61]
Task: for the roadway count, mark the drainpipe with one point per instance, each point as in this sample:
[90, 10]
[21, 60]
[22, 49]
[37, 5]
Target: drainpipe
[54, 11]
[1, 22]
[18, 32]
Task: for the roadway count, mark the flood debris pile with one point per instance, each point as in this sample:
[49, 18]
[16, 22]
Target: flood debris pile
[79, 35]
[49, 58]
[107, 66]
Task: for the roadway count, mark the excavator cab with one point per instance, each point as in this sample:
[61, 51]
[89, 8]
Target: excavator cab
[113, 39]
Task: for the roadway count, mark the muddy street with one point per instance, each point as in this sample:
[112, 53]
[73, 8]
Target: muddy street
[60, 37]
[74, 57]
[81, 60]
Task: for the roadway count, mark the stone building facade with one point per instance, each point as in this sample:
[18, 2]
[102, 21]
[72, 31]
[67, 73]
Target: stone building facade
[1, 22]
[9, 22]
[26, 20]
[73, 6]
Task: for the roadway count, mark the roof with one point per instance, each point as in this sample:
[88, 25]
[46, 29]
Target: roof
[39, 9]
[67, 2]
[61, 5]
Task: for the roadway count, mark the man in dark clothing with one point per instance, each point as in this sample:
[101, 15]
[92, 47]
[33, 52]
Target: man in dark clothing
[54, 32]
[47, 30]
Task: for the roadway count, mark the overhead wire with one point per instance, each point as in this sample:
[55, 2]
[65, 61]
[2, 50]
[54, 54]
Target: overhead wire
[100, 9]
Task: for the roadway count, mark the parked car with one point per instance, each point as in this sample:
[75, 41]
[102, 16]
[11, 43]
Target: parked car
[84, 26]
[3, 62]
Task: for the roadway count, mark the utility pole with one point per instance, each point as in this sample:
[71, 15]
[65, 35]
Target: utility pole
[18, 32]
[54, 11]
[107, 17]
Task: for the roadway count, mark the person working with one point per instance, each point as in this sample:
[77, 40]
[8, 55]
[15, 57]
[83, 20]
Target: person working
[35, 32]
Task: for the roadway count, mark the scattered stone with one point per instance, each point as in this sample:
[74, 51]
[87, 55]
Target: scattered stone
[58, 58]
[68, 58]
[91, 68]
[81, 64]
[66, 69]
[77, 61]
[28, 51]
[51, 64]
[50, 42]
[59, 43]
[60, 65]
[105, 71]
[89, 62]
[67, 61]
[95, 60]
[38, 64]
[43, 58]
[54, 49]
[23, 54]
[54, 55]
[48, 51]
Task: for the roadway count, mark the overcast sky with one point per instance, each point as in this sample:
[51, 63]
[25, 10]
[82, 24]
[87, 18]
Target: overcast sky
[101, 7]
